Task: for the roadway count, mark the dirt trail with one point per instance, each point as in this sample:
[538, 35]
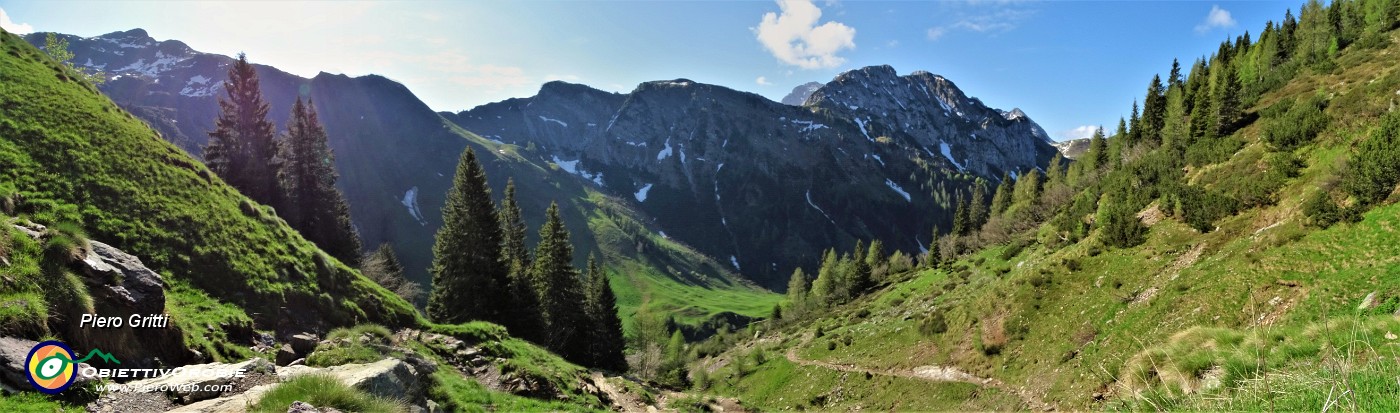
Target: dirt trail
[925, 373]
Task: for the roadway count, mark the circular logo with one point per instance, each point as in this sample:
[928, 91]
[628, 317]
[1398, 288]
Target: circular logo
[50, 367]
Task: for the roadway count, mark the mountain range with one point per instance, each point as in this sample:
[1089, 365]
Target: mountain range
[757, 187]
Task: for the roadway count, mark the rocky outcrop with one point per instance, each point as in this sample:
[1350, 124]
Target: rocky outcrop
[1072, 148]
[799, 94]
[120, 286]
[14, 375]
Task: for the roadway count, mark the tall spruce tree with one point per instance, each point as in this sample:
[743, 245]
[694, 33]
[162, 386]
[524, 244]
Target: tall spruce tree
[604, 338]
[1097, 156]
[1002, 199]
[522, 315]
[306, 177]
[960, 225]
[559, 289]
[1154, 111]
[467, 255]
[977, 213]
[240, 148]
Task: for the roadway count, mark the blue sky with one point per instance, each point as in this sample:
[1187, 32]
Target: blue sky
[1066, 64]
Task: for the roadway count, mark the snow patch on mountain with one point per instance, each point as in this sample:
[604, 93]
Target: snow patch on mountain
[896, 188]
[199, 86]
[642, 193]
[665, 152]
[410, 201]
[560, 122]
[948, 153]
[819, 209]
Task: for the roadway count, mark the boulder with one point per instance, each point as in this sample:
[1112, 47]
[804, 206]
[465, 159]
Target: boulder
[120, 281]
[304, 343]
[13, 373]
[285, 355]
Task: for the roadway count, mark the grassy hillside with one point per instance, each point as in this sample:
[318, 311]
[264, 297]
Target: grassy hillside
[69, 155]
[1257, 307]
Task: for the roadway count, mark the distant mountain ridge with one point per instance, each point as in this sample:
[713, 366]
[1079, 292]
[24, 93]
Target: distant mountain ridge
[870, 155]
[760, 186]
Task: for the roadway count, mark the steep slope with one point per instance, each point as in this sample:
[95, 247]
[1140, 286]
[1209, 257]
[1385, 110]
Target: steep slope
[68, 154]
[396, 158]
[1266, 307]
[769, 185]
[800, 93]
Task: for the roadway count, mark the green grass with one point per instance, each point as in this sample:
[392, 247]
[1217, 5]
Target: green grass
[323, 391]
[778, 384]
[74, 156]
[459, 394]
[33, 402]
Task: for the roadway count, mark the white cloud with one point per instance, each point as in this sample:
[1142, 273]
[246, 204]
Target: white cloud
[934, 33]
[794, 37]
[892, 44]
[1217, 18]
[763, 81]
[12, 27]
[1082, 132]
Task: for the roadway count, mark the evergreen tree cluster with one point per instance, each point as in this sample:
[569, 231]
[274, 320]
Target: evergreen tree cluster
[840, 279]
[295, 173]
[482, 270]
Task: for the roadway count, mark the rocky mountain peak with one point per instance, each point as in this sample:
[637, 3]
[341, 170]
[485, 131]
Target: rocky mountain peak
[800, 93]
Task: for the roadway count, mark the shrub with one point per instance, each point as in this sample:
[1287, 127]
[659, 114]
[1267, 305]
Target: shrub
[1375, 168]
[1321, 211]
[323, 391]
[1296, 123]
[933, 324]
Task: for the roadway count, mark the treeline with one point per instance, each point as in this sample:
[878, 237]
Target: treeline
[483, 270]
[294, 172]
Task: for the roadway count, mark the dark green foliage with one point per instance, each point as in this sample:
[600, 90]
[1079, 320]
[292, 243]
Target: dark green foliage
[1321, 211]
[1097, 156]
[977, 213]
[604, 337]
[306, 177]
[467, 267]
[1199, 207]
[522, 317]
[673, 370]
[559, 289]
[1375, 167]
[933, 324]
[1119, 224]
[1294, 124]
[382, 266]
[1154, 111]
[1227, 103]
[961, 226]
[241, 147]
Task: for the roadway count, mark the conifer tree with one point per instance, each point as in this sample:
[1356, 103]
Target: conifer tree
[977, 213]
[1118, 144]
[1097, 156]
[1227, 105]
[1002, 199]
[859, 277]
[240, 148]
[467, 254]
[1174, 79]
[1056, 173]
[522, 315]
[797, 294]
[960, 225]
[382, 266]
[557, 284]
[934, 255]
[875, 256]
[1027, 188]
[605, 337]
[1154, 111]
[824, 289]
[306, 176]
[1134, 128]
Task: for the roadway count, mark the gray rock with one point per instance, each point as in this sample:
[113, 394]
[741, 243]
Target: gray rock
[13, 373]
[304, 343]
[190, 386]
[285, 355]
[119, 280]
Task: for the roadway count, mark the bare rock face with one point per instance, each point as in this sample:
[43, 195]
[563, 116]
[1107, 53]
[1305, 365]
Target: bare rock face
[121, 282]
[14, 375]
[764, 186]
